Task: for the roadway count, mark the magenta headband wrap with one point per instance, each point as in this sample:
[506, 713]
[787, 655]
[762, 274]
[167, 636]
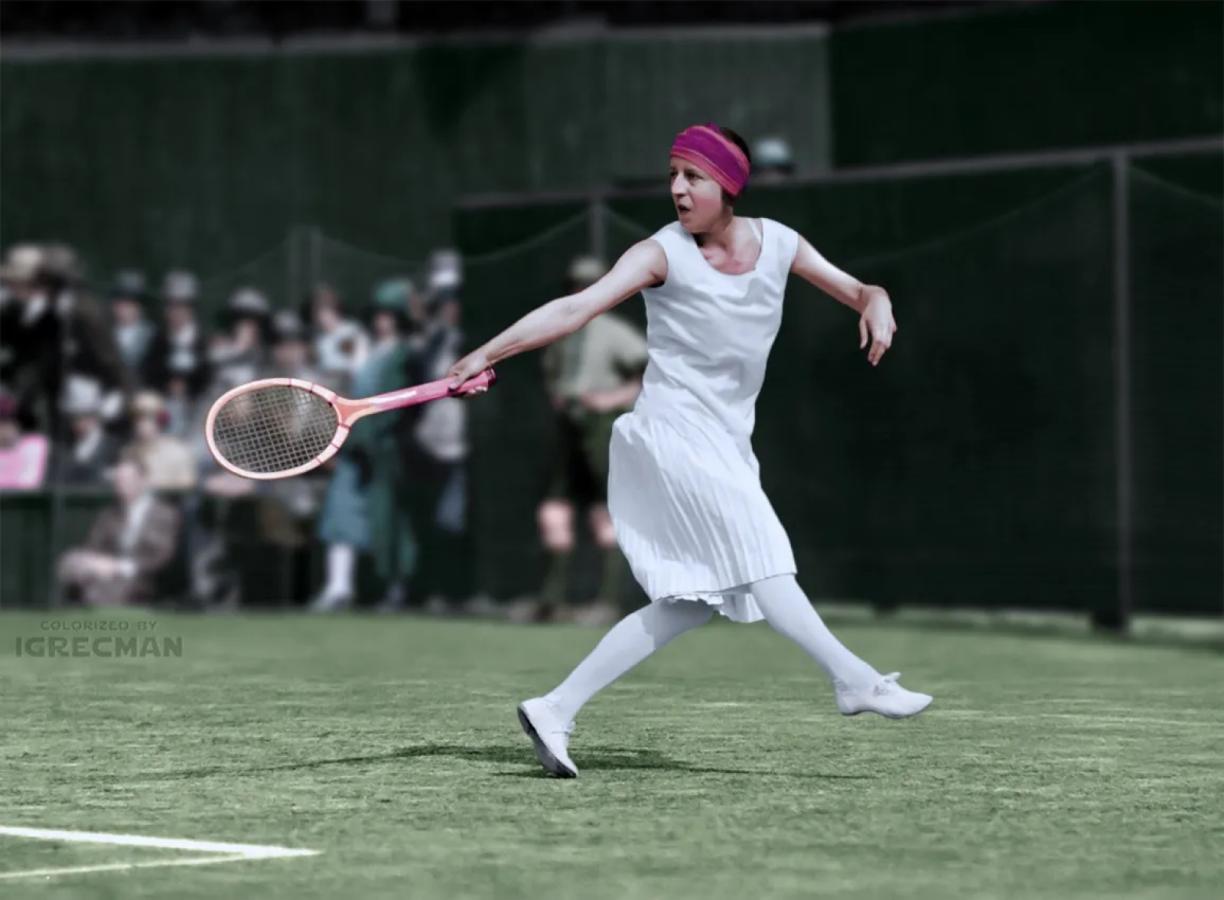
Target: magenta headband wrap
[705, 146]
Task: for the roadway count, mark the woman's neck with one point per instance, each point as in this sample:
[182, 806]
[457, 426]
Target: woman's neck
[721, 233]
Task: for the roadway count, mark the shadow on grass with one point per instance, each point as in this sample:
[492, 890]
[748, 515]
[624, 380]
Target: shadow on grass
[606, 759]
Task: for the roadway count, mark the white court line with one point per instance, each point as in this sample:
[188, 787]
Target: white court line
[228, 852]
[119, 867]
[1086, 717]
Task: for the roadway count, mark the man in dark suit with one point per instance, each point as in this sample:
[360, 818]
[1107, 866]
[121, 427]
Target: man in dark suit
[88, 349]
[177, 361]
[83, 459]
[54, 331]
[30, 338]
[128, 545]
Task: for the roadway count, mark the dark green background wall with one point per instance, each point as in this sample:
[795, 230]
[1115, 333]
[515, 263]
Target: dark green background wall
[977, 465]
[1012, 79]
[998, 402]
[209, 161]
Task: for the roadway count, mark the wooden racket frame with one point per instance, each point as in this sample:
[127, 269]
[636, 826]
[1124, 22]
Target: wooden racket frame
[348, 411]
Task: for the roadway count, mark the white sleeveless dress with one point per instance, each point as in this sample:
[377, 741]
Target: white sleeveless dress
[684, 488]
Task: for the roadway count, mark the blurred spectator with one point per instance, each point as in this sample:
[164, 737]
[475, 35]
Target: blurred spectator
[212, 536]
[439, 447]
[290, 349]
[91, 451]
[23, 457]
[87, 350]
[167, 460]
[128, 545]
[288, 508]
[239, 354]
[133, 332]
[177, 361]
[30, 336]
[772, 158]
[592, 376]
[340, 344]
[367, 508]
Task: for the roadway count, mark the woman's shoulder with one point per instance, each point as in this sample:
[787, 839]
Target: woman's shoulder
[784, 239]
[671, 238]
[776, 226]
[672, 231]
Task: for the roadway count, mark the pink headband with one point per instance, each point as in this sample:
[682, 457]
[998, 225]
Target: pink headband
[705, 146]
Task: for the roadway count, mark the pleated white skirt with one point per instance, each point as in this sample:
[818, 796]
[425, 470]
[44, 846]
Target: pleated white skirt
[690, 516]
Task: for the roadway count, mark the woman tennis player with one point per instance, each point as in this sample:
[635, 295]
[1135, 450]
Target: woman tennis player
[684, 490]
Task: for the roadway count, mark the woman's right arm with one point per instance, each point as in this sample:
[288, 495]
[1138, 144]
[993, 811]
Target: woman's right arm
[642, 265]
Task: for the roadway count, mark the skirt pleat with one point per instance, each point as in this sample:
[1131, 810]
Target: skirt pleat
[690, 516]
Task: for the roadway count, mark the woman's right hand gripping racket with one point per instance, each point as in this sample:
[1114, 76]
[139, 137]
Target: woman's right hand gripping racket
[280, 427]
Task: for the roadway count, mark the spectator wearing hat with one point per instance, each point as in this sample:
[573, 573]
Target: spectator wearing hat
[366, 508]
[288, 508]
[236, 355]
[439, 446]
[177, 362]
[772, 158]
[592, 376]
[133, 333]
[128, 545]
[168, 461]
[290, 356]
[239, 354]
[340, 344]
[23, 457]
[87, 350]
[90, 450]
[30, 339]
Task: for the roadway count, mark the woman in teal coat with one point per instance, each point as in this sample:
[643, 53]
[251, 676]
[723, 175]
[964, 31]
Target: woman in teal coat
[365, 510]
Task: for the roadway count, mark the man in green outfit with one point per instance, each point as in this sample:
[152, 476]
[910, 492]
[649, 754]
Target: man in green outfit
[592, 376]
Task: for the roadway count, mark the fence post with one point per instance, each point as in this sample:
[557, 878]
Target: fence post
[598, 230]
[1117, 616]
[316, 256]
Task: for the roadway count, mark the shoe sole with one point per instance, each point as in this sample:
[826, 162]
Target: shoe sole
[543, 754]
[859, 712]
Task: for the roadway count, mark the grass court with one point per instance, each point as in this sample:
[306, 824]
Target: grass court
[1050, 766]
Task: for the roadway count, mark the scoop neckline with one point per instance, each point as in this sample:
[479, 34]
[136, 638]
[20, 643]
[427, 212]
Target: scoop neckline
[755, 265]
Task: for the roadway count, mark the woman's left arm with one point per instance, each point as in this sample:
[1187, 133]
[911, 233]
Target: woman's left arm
[870, 301]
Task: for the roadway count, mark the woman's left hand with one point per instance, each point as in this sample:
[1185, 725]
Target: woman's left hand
[878, 319]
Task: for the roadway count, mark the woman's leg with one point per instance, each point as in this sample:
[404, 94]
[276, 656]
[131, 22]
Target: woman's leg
[790, 613]
[857, 686]
[629, 641]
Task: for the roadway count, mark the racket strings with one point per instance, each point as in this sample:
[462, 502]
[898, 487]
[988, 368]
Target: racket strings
[274, 429]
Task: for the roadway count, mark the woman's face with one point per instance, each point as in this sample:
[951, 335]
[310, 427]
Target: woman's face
[696, 196]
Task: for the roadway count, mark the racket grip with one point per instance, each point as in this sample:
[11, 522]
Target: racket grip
[422, 393]
[485, 379]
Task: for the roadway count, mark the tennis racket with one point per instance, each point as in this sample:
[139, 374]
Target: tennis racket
[280, 427]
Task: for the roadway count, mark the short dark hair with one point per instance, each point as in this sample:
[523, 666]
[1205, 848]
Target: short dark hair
[735, 138]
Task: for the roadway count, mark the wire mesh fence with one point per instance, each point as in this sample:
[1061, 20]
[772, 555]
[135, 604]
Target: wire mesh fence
[980, 467]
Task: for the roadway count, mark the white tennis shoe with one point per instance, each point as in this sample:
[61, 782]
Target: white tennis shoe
[549, 732]
[885, 697]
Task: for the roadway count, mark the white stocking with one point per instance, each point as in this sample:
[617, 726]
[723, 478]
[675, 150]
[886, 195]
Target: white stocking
[629, 641]
[790, 613]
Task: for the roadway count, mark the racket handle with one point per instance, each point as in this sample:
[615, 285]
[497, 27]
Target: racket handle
[485, 380]
[432, 390]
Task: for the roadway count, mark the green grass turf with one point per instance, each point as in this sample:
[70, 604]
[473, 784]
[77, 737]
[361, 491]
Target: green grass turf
[1049, 767]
